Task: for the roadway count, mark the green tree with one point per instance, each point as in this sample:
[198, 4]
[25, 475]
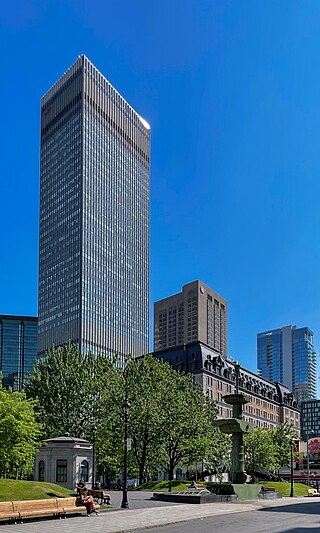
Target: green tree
[73, 391]
[19, 434]
[170, 418]
[109, 396]
[259, 450]
[268, 449]
[281, 437]
[145, 381]
[217, 452]
[186, 416]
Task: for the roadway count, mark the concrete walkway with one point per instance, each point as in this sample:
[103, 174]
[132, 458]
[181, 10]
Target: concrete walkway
[120, 521]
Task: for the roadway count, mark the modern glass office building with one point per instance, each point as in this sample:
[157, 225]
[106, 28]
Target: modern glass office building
[310, 419]
[18, 349]
[94, 217]
[286, 355]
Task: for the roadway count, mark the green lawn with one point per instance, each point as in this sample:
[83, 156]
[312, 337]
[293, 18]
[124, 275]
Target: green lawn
[299, 489]
[163, 485]
[11, 489]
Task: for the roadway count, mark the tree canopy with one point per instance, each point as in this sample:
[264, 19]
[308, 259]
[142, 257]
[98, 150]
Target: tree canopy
[73, 392]
[268, 449]
[19, 434]
[170, 416]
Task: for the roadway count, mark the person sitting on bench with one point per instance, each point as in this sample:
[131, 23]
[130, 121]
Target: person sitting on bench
[87, 500]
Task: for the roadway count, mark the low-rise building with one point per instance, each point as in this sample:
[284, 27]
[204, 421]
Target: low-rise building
[64, 460]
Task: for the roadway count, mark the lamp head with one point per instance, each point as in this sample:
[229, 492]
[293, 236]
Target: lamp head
[126, 407]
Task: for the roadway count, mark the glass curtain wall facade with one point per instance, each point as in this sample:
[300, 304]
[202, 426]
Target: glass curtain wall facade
[18, 349]
[270, 355]
[304, 364]
[310, 419]
[94, 217]
[286, 355]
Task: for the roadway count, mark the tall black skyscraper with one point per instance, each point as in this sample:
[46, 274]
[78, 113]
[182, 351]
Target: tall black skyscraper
[94, 217]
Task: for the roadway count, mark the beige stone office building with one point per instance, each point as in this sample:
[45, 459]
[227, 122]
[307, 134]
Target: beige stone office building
[197, 313]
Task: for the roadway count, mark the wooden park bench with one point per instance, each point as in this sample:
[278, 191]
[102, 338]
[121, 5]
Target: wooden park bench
[68, 505]
[313, 492]
[18, 510]
[199, 487]
[267, 489]
[7, 511]
[98, 495]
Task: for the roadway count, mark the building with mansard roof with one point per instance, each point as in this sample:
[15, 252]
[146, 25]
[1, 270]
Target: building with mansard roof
[270, 403]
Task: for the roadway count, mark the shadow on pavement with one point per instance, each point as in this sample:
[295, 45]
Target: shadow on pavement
[303, 508]
[301, 530]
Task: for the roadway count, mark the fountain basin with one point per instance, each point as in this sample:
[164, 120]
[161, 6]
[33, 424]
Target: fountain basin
[175, 497]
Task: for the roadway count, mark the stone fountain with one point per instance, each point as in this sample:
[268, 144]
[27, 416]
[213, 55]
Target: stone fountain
[237, 427]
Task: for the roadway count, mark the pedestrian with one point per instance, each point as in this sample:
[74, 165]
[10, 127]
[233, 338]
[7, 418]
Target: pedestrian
[80, 486]
[87, 501]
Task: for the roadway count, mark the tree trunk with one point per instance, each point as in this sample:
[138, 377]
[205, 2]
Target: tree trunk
[141, 472]
[171, 468]
[142, 462]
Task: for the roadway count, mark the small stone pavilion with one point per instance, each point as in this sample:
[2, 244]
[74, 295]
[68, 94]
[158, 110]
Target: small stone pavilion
[64, 460]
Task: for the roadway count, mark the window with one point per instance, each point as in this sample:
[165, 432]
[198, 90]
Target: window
[41, 470]
[61, 474]
[84, 471]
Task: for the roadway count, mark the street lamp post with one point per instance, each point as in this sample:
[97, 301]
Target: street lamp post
[308, 463]
[94, 431]
[126, 408]
[291, 467]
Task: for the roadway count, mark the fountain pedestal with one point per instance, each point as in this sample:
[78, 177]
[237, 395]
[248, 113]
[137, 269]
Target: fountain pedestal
[238, 427]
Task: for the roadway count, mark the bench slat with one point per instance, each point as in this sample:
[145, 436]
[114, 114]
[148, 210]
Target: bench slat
[6, 506]
[30, 505]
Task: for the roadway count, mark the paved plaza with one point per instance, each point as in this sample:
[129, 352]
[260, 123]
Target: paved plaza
[144, 514]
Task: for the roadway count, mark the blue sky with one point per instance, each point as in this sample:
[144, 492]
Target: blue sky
[231, 90]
